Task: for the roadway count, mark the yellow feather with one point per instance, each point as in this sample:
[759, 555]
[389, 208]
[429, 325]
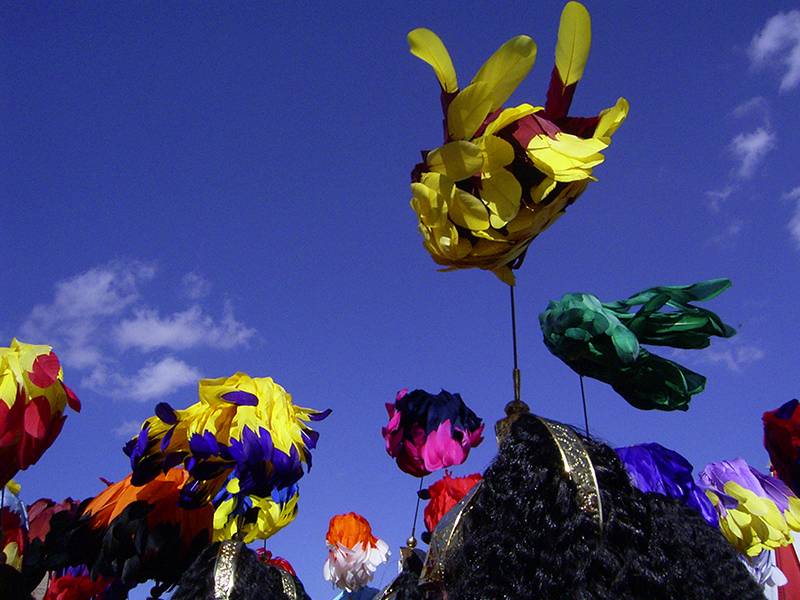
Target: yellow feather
[506, 68]
[574, 41]
[426, 45]
[468, 110]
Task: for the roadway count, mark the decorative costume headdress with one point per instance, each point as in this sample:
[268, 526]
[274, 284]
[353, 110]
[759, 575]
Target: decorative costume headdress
[755, 512]
[654, 468]
[444, 495]
[782, 441]
[144, 532]
[13, 526]
[603, 340]
[354, 553]
[33, 397]
[243, 446]
[505, 174]
[428, 432]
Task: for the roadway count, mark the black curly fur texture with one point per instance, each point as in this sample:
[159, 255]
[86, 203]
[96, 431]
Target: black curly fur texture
[254, 579]
[526, 537]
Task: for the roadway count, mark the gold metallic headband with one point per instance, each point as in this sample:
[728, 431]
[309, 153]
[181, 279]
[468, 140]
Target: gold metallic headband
[447, 538]
[287, 583]
[225, 569]
[578, 467]
[225, 572]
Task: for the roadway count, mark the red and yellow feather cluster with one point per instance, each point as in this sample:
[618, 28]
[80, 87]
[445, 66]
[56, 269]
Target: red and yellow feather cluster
[33, 397]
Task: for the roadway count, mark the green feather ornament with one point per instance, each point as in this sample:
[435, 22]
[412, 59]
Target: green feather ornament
[604, 340]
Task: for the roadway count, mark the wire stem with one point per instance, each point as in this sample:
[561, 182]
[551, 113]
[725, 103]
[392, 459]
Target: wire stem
[516, 372]
[416, 510]
[585, 412]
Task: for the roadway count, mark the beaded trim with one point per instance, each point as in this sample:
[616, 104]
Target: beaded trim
[578, 467]
[225, 569]
[287, 583]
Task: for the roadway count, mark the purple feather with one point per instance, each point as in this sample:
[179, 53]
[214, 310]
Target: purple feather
[241, 398]
[320, 415]
[166, 413]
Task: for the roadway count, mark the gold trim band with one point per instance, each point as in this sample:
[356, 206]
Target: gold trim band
[578, 467]
[287, 583]
[225, 569]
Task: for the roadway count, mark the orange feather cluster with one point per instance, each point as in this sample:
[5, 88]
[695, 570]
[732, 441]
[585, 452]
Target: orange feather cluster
[162, 494]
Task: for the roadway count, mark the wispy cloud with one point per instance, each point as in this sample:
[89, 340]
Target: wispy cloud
[716, 198]
[159, 378]
[734, 354]
[750, 149]
[757, 106]
[81, 304]
[735, 357]
[127, 429]
[195, 286]
[155, 379]
[779, 39]
[794, 221]
[95, 316]
[728, 235]
[147, 330]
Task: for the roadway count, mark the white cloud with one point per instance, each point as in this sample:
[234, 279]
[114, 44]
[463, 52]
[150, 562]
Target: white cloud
[716, 198]
[751, 148]
[147, 330]
[127, 429]
[794, 225]
[195, 286]
[96, 315]
[779, 39]
[794, 221]
[734, 357]
[160, 378]
[729, 234]
[155, 379]
[80, 304]
[792, 194]
[757, 105]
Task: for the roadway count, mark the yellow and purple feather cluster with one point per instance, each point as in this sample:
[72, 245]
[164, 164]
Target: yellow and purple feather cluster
[243, 444]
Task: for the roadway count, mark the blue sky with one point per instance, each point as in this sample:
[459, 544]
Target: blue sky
[192, 190]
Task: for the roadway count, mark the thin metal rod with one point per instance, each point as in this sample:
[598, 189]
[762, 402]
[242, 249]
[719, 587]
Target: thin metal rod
[416, 510]
[514, 326]
[585, 413]
[516, 372]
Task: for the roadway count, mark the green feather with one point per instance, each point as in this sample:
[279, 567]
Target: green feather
[603, 340]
